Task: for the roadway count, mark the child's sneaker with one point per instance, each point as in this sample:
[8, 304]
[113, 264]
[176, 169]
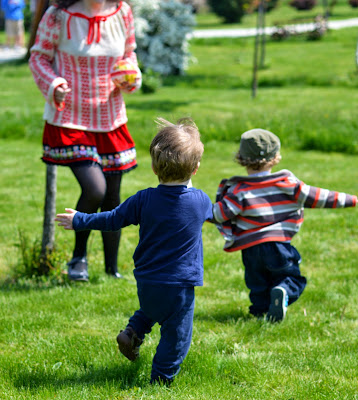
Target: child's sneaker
[128, 343]
[278, 305]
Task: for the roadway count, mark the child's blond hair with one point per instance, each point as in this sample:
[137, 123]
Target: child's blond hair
[259, 149]
[176, 150]
[259, 164]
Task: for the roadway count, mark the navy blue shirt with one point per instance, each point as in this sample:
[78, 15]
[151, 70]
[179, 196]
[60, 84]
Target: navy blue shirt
[170, 249]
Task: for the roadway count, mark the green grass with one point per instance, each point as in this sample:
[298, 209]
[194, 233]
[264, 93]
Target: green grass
[299, 97]
[283, 14]
[58, 341]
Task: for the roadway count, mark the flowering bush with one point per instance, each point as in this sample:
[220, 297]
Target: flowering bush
[161, 34]
[280, 33]
[320, 28]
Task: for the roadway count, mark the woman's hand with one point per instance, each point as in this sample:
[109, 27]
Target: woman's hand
[65, 220]
[129, 87]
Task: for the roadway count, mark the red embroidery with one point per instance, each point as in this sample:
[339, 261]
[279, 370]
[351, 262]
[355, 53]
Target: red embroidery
[47, 45]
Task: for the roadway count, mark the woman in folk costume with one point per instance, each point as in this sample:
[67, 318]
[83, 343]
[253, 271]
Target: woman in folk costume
[78, 45]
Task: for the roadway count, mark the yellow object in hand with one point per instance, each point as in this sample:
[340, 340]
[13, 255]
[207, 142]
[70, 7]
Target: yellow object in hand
[124, 71]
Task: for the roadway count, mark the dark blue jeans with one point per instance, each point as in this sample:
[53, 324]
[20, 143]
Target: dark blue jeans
[173, 308]
[268, 265]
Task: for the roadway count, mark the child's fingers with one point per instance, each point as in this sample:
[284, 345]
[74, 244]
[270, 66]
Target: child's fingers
[61, 217]
[65, 220]
[63, 223]
[66, 225]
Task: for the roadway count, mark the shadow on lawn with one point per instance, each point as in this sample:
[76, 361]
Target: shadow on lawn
[160, 105]
[123, 376]
[212, 81]
[223, 316]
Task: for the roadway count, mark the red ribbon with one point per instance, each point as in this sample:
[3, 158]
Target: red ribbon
[92, 22]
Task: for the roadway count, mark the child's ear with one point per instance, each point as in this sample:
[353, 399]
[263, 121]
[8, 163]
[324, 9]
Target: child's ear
[196, 169]
[154, 170]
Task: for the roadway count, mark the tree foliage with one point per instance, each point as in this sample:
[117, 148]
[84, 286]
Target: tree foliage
[162, 29]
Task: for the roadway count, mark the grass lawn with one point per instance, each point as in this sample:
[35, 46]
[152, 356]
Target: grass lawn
[57, 341]
[283, 14]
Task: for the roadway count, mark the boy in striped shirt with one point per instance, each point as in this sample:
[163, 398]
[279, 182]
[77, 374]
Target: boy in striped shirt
[259, 214]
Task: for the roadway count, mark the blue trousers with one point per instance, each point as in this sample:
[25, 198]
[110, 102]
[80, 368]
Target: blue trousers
[173, 308]
[268, 265]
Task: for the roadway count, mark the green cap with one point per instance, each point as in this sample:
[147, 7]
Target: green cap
[258, 144]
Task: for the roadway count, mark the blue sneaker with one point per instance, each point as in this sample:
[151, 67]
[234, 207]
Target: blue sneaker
[78, 269]
[278, 304]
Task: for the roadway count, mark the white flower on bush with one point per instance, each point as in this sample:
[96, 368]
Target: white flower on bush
[162, 28]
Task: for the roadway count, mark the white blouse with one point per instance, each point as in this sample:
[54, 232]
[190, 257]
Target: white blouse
[81, 51]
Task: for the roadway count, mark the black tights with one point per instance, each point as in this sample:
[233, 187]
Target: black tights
[98, 191]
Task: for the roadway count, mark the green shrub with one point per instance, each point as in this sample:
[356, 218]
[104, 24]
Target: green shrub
[151, 81]
[31, 268]
[303, 4]
[231, 10]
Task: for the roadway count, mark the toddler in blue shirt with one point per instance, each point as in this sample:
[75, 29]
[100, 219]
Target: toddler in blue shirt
[169, 257]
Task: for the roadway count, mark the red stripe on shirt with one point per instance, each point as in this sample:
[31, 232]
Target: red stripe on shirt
[94, 95]
[263, 240]
[230, 200]
[276, 203]
[299, 190]
[222, 212]
[335, 200]
[75, 89]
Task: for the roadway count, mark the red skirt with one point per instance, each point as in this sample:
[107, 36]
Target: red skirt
[114, 151]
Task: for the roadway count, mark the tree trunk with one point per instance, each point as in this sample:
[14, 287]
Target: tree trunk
[257, 46]
[262, 11]
[48, 235]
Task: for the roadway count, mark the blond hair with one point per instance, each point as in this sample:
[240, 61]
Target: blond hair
[259, 164]
[176, 150]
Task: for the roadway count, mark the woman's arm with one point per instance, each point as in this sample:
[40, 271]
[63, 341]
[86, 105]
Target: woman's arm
[42, 57]
[130, 46]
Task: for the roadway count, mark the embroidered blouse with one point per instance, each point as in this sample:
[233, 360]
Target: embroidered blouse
[81, 51]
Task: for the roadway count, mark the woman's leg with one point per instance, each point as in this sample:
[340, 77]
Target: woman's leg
[93, 186]
[111, 239]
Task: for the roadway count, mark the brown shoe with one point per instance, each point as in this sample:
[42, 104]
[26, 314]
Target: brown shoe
[128, 343]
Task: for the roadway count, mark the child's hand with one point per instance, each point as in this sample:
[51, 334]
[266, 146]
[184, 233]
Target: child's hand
[65, 220]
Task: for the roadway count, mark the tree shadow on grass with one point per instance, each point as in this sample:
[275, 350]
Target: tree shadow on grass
[223, 316]
[211, 81]
[123, 376]
[158, 105]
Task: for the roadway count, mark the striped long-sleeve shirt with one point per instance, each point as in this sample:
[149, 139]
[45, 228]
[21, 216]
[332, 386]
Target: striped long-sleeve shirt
[253, 210]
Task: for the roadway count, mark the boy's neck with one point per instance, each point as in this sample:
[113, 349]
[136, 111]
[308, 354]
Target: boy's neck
[177, 183]
[263, 171]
